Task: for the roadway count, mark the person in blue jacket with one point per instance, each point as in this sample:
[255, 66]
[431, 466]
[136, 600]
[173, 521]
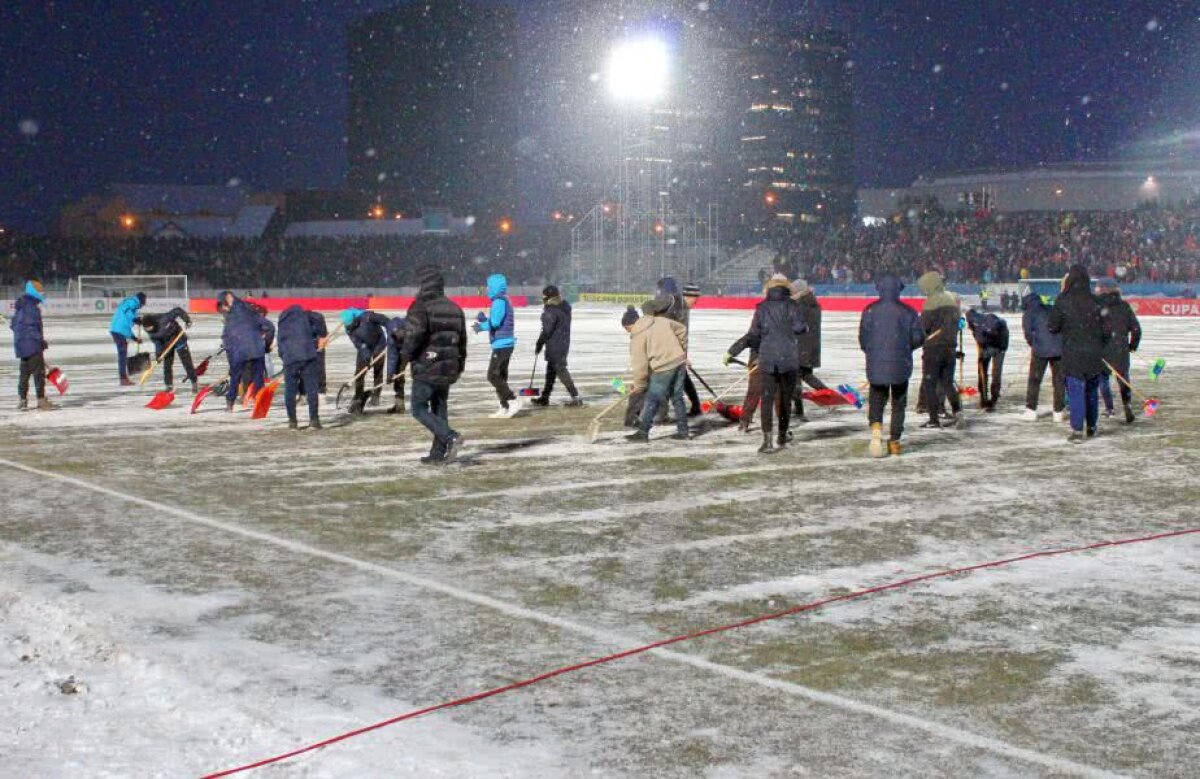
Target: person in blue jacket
[395, 361]
[1045, 351]
[121, 329]
[499, 324]
[889, 331]
[301, 339]
[247, 337]
[368, 333]
[29, 343]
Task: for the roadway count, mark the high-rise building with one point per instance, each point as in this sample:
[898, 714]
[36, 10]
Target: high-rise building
[795, 133]
[434, 114]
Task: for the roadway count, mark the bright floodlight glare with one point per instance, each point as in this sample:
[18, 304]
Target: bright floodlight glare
[637, 70]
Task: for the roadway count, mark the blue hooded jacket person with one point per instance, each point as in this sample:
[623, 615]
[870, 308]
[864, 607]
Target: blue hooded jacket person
[121, 328]
[888, 332]
[299, 333]
[29, 343]
[499, 324]
[247, 336]
[1046, 350]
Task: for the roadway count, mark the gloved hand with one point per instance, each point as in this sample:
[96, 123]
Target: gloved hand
[475, 327]
[726, 358]
[959, 355]
[45, 345]
[538, 349]
[481, 317]
[137, 340]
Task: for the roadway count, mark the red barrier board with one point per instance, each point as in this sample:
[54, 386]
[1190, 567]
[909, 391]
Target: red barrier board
[827, 304]
[401, 303]
[1165, 306]
[209, 305]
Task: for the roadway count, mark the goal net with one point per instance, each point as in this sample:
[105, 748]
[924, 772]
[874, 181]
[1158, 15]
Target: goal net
[103, 293]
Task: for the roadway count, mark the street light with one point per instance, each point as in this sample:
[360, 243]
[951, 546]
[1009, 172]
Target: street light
[638, 70]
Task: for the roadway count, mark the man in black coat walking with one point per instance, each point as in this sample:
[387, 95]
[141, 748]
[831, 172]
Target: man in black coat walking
[1126, 336]
[555, 339]
[1077, 315]
[435, 349]
[777, 321]
[888, 332]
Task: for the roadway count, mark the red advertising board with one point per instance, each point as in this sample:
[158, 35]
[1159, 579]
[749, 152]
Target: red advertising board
[1165, 306]
[209, 305]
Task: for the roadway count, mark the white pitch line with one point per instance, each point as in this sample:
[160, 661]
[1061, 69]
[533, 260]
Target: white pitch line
[937, 729]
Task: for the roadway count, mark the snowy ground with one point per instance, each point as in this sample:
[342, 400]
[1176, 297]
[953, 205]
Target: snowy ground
[223, 590]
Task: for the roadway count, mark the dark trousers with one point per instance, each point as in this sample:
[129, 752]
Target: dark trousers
[398, 386]
[776, 389]
[301, 377]
[805, 376]
[666, 386]
[251, 371]
[122, 344]
[1084, 394]
[32, 367]
[376, 372]
[185, 359]
[878, 399]
[321, 367]
[754, 388]
[693, 397]
[633, 408]
[497, 374]
[939, 378]
[991, 364]
[431, 407]
[1106, 389]
[557, 369]
[1037, 370]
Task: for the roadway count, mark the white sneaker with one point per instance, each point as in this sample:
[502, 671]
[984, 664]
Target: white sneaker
[1030, 415]
[1060, 416]
[515, 407]
[500, 413]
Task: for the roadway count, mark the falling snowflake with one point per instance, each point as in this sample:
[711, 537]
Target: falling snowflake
[370, 152]
[1153, 25]
[28, 127]
[937, 68]
[234, 182]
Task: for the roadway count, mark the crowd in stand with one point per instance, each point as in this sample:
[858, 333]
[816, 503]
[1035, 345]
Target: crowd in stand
[1147, 245]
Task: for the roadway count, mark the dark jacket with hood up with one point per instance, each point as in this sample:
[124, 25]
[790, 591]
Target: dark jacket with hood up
[1124, 328]
[435, 333]
[556, 329]
[941, 313]
[888, 333]
[1078, 318]
[26, 324]
[1035, 322]
[773, 330]
[297, 335]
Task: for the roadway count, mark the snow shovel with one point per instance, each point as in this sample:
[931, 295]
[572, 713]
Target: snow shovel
[170, 347]
[219, 388]
[59, 379]
[531, 391]
[700, 379]
[1156, 366]
[202, 368]
[1149, 405]
[342, 389]
[593, 432]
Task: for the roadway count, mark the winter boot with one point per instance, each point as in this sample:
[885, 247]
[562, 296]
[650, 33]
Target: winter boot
[314, 423]
[960, 421]
[931, 424]
[126, 382]
[1091, 432]
[228, 406]
[767, 447]
[574, 402]
[895, 448]
[195, 386]
[293, 424]
[1029, 415]
[1128, 413]
[356, 406]
[876, 448]
[1060, 416]
[543, 401]
[500, 413]
[452, 446]
[397, 406]
[640, 437]
[23, 405]
[1076, 437]
[44, 404]
[682, 435]
[375, 398]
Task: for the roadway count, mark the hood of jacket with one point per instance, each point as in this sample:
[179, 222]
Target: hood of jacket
[34, 292]
[668, 286]
[497, 285]
[1033, 299]
[1077, 278]
[779, 290]
[349, 315]
[1110, 298]
[933, 287]
[655, 306]
[889, 287]
[642, 325]
[432, 283]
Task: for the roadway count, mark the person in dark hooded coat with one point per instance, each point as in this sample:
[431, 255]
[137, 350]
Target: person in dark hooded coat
[368, 332]
[29, 344]
[940, 318]
[888, 333]
[555, 339]
[991, 340]
[247, 337]
[773, 330]
[163, 329]
[435, 349]
[808, 344]
[676, 305]
[1125, 337]
[1045, 351]
[301, 336]
[1079, 318]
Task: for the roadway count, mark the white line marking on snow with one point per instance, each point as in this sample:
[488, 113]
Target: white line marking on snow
[937, 729]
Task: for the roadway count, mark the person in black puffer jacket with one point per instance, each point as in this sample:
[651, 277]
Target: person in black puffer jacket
[777, 321]
[1077, 315]
[1126, 336]
[162, 329]
[808, 344]
[556, 340]
[991, 338]
[1045, 350]
[435, 349]
[939, 318]
[888, 332]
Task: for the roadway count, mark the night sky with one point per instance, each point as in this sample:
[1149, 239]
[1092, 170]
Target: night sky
[255, 92]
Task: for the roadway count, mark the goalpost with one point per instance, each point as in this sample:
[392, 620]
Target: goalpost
[103, 293]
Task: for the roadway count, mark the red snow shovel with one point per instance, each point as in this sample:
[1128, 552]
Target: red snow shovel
[161, 400]
[531, 391]
[207, 390]
[59, 380]
[202, 368]
[265, 396]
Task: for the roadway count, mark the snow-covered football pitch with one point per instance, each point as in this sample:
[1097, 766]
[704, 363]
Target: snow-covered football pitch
[185, 594]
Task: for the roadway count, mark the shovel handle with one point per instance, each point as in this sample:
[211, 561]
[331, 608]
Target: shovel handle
[1121, 379]
[161, 357]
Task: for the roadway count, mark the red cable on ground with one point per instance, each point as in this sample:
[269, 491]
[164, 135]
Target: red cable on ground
[812, 606]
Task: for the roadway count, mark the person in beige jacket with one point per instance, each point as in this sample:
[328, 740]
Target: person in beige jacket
[658, 356]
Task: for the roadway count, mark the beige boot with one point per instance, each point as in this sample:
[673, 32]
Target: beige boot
[44, 404]
[895, 448]
[876, 448]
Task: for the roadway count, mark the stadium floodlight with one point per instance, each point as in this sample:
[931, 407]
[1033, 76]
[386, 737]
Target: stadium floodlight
[638, 70]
